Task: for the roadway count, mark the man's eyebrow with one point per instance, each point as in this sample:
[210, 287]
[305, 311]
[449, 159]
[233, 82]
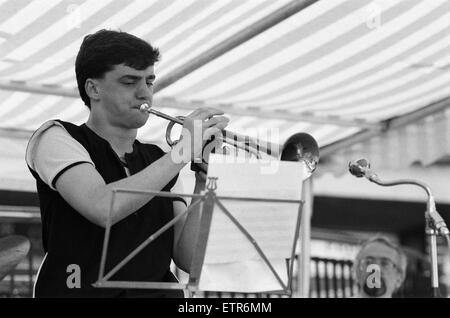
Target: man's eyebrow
[135, 77]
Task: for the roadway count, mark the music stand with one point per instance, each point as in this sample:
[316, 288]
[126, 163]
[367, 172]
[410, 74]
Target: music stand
[209, 199]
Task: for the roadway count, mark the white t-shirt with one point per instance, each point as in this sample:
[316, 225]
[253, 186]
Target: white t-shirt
[52, 150]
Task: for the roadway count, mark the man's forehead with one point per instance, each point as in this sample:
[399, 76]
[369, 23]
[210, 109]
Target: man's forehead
[123, 70]
[377, 249]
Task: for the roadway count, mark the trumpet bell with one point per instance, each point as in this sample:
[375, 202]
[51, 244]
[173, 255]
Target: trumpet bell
[301, 147]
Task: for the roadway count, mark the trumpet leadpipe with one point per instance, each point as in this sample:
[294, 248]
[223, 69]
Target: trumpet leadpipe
[234, 139]
[145, 107]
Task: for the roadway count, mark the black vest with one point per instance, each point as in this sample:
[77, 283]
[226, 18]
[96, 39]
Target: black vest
[69, 238]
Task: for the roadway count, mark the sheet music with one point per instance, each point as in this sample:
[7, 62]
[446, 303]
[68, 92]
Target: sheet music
[232, 262]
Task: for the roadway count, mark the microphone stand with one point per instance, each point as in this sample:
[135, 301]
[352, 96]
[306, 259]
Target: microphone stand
[434, 223]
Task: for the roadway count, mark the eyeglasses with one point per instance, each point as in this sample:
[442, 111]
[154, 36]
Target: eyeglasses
[384, 263]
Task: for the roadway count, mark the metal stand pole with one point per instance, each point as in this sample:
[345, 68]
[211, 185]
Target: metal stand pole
[432, 234]
[305, 241]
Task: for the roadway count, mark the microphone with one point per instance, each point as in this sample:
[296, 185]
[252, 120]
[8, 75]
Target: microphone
[361, 168]
[358, 168]
[434, 223]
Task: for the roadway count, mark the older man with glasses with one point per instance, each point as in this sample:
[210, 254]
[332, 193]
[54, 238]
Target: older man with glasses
[380, 268]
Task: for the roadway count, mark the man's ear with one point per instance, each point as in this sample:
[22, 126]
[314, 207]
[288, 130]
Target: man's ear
[92, 89]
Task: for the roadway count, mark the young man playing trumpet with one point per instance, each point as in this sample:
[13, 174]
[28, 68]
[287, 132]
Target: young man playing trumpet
[77, 167]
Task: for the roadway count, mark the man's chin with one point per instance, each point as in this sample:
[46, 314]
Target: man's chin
[373, 291]
[139, 122]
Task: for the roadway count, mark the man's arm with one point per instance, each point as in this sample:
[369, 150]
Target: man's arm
[86, 191]
[186, 230]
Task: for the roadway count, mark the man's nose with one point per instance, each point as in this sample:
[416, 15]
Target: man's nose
[144, 92]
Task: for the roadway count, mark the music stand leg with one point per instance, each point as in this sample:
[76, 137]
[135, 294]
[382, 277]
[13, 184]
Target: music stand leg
[305, 238]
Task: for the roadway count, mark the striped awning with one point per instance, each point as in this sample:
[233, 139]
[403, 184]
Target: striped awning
[332, 68]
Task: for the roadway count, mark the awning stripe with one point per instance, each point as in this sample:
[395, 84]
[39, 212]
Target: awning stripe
[271, 82]
[9, 8]
[343, 85]
[55, 33]
[270, 46]
[44, 22]
[63, 59]
[217, 31]
[26, 16]
[430, 82]
[13, 100]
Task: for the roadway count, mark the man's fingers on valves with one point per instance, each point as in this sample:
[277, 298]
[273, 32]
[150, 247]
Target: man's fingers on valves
[219, 122]
[205, 113]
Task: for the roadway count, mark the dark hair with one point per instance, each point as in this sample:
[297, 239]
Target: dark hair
[101, 51]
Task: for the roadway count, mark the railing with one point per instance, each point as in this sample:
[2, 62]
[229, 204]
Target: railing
[332, 278]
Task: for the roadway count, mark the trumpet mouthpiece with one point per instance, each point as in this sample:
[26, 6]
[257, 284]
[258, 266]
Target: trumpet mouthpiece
[144, 107]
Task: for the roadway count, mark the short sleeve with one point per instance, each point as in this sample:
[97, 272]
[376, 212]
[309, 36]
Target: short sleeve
[52, 151]
[178, 188]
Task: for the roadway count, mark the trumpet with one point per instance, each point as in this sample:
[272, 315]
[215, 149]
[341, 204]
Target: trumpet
[298, 147]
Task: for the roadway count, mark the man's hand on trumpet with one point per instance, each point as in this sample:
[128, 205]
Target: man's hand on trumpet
[201, 134]
[201, 125]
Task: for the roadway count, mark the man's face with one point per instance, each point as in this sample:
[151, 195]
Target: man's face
[122, 91]
[380, 270]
